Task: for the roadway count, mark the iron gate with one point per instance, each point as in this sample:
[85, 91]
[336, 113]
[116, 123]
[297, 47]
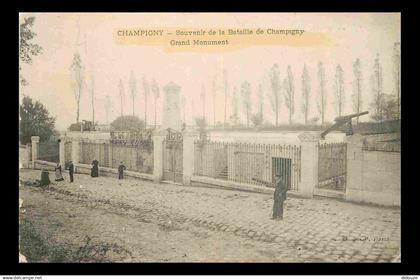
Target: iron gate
[172, 156]
[332, 166]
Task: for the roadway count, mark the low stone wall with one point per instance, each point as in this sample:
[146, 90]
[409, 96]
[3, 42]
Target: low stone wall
[85, 169]
[24, 156]
[374, 177]
[200, 181]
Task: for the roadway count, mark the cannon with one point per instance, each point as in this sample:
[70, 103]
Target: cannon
[343, 120]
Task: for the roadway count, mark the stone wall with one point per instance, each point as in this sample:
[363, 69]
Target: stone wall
[24, 156]
[373, 176]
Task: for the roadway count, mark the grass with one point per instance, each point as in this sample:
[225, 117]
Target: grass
[39, 249]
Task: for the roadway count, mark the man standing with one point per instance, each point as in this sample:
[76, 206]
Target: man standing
[121, 169]
[279, 197]
[71, 171]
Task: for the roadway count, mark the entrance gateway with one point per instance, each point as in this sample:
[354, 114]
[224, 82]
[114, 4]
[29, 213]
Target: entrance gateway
[173, 156]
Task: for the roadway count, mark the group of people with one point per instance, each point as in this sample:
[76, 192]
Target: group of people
[280, 184]
[94, 171]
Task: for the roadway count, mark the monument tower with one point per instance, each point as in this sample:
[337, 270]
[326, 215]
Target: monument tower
[171, 107]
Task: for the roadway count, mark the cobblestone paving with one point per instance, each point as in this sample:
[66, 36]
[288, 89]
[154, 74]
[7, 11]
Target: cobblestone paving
[313, 230]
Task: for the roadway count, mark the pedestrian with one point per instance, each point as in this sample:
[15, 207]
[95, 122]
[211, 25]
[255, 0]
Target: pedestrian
[94, 172]
[279, 197]
[71, 171]
[58, 174]
[121, 169]
[45, 178]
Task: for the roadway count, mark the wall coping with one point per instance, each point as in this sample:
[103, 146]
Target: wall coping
[217, 183]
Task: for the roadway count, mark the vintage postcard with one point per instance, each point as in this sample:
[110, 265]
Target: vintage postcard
[210, 137]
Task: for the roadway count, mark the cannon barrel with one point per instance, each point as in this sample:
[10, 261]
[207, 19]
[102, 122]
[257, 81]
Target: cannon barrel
[349, 117]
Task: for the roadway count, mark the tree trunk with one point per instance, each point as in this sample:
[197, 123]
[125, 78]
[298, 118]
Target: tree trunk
[155, 112]
[145, 111]
[224, 121]
[93, 112]
[290, 115]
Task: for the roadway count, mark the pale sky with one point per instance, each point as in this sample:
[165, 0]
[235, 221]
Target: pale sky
[354, 36]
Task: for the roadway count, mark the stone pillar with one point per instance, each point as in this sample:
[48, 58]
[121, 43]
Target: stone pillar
[354, 182]
[35, 146]
[62, 151]
[28, 155]
[309, 163]
[188, 156]
[75, 150]
[109, 153]
[158, 155]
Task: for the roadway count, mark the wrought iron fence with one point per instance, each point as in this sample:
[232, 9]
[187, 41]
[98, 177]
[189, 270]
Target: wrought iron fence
[332, 166]
[249, 163]
[137, 158]
[90, 151]
[49, 151]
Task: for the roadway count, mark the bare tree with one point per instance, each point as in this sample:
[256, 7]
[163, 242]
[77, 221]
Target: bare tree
[121, 94]
[306, 89]
[214, 95]
[378, 95]
[246, 98]
[339, 89]
[357, 87]
[235, 107]
[203, 100]
[289, 95]
[183, 102]
[397, 76]
[92, 96]
[260, 95]
[226, 93]
[322, 92]
[146, 92]
[78, 81]
[155, 92]
[275, 98]
[107, 107]
[133, 87]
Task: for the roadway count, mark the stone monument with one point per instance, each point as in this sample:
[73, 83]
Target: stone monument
[171, 107]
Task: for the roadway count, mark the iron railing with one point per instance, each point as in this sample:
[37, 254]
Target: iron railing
[249, 163]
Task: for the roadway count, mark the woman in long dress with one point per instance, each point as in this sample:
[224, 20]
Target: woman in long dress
[58, 174]
[94, 172]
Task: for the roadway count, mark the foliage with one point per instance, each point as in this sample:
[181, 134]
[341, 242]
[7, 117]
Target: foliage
[339, 89]
[146, 92]
[322, 93]
[256, 119]
[275, 97]
[246, 99]
[156, 94]
[27, 48]
[306, 89]
[357, 87]
[35, 120]
[37, 248]
[78, 80]
[378, 96]
[127, 123]
[201, 123]
[314, 120]
[121, 94]
[289, 95]
[234, 118]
